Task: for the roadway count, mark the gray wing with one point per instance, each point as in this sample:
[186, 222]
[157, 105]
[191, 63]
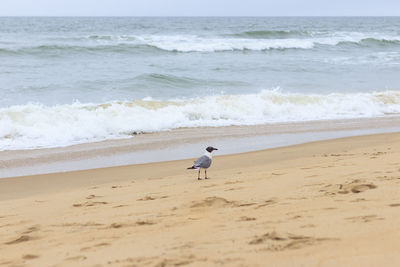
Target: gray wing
[202, 162]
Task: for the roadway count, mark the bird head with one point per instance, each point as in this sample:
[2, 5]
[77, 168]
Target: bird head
[211, 149]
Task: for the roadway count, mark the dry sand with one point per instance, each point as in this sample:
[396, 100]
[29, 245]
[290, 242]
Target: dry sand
[329, 203]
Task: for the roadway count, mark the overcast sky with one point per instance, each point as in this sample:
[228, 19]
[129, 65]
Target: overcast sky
[199, 7]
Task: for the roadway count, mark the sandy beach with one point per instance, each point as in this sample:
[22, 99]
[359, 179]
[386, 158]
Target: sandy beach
[326, 203]
[103, 107]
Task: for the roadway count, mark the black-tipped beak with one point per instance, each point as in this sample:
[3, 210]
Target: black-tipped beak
[215, 148]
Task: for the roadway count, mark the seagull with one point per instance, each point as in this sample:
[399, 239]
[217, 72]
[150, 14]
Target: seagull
[203, 162]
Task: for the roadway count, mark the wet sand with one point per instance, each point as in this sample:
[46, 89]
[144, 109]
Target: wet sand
[327, 203]
[185, 143]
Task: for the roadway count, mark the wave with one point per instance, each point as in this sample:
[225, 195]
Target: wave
[173, 81]
[36, 125]
[197, 44]
[166, 80]
[368, 42]
[193, 43]
[269, 34]
[67, 49]
[381, 41]
[111, 37]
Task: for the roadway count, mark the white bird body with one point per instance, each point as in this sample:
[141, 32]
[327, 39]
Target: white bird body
[204, 162]
[208, 154]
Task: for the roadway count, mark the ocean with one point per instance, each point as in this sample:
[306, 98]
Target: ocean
[72, 80]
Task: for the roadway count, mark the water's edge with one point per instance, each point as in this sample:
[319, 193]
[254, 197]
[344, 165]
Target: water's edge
[184, 143]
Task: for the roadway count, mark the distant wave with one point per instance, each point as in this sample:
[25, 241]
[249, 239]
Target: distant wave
[269, 34]
[200, 44]
[382, 41]
[192, 43]
[168, 80]
[60, 49]
[372, 42]
[36, 125]
[112, 37]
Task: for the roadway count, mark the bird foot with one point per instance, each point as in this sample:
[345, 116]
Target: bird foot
[207, 178]
[199, 179]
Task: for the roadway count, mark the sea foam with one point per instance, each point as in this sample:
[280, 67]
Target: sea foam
[35, 125]
[201, 44]
[195, 43]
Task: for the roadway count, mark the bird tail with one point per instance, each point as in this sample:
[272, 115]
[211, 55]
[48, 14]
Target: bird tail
[192, 168]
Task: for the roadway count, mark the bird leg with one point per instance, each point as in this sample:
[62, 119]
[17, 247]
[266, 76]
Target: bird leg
[205, 173]
[198, 176]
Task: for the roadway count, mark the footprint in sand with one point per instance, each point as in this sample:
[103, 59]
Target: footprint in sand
[76, 258]
[95, 247]
[140, 222]
[234, 182]
[277, 242]
[180, 261]
[362, 187]
[31, 229]
[120, 206]
[90, 204]
[245, 204]
[379, 153]
[235, 188]
[22, 238]
[311, 176]
[117, 225]
[394, 205]
[266, 203]
[341, 155]
[209, 186]
[355, 186]
[365, 218]
[246, 219]
[75, 224]
[30, 257]
[146, 198]
[93, 196]
[219, 202]
[157, 261]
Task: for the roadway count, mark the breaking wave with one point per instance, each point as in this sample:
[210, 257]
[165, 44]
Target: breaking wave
[253, 40]
[35, 125]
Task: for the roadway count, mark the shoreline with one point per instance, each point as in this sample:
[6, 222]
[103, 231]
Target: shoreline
[184, 143]
[308, 204]
[61, 181]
